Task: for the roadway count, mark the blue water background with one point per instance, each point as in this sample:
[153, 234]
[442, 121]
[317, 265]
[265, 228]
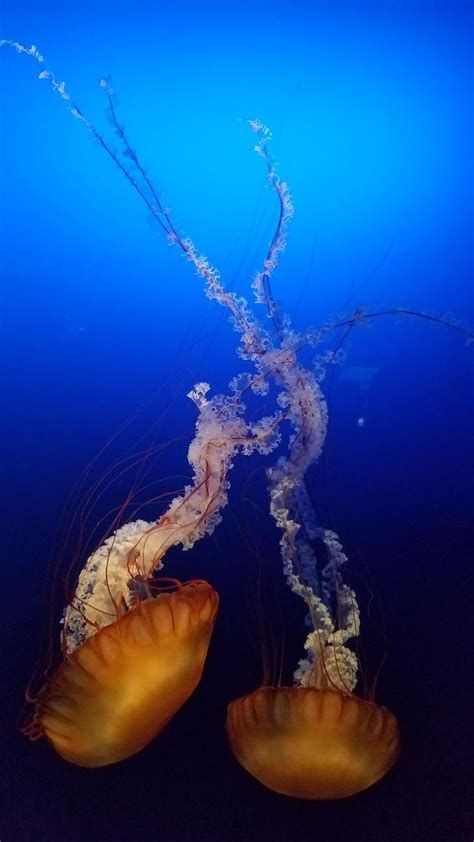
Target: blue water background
[371, 111]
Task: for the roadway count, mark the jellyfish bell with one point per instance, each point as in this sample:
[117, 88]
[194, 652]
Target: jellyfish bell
[117, 691]
[312, 743]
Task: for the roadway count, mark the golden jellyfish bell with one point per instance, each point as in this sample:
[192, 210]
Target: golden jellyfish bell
[115, 693]
[312, 743]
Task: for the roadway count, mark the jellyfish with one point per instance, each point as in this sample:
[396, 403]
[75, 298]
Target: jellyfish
[129, 662]
[312, 743]
[116, 692]
[317, 740]
[132, 652]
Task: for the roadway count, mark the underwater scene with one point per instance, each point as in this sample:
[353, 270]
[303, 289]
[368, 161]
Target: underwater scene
[238, 411]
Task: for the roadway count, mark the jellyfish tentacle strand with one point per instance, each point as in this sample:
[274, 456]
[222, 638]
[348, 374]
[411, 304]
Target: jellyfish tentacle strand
[136, 550]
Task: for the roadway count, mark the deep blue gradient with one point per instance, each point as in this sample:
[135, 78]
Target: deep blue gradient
[371, 111]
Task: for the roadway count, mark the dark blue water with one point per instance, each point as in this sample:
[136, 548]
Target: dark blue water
[370, 107]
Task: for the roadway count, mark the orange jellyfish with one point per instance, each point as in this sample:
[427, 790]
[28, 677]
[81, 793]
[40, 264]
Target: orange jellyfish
[132, 653]
[134, 644]
[317, 740]
[117, 691]
[312, 743]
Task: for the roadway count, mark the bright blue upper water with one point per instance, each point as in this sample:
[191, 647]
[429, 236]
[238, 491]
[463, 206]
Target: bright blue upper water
[371, 111]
